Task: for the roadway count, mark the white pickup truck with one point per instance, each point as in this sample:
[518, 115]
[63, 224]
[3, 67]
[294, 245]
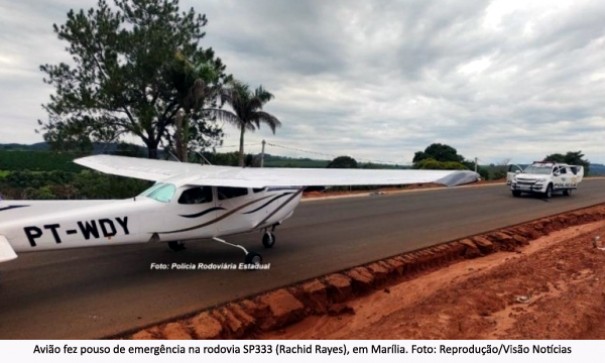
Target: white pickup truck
[544, 178]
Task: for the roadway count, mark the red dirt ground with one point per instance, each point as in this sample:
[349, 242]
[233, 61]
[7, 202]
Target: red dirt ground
[553, 288]
[541, 280]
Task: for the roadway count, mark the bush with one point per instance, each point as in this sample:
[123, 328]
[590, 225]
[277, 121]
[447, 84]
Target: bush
[68, 185]
[439, 165]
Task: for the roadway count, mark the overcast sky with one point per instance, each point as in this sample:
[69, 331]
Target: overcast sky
[376, 80]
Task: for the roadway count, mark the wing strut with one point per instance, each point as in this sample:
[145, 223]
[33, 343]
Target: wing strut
[252, 258]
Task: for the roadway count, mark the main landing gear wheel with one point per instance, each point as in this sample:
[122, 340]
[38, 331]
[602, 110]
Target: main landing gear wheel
[268, 239]
[253, 258]
[176, 246]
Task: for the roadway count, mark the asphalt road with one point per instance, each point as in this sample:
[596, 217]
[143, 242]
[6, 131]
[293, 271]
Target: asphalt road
[99, 292]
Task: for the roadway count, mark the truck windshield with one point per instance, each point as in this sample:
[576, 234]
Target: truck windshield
[162, 192]
[532, 169]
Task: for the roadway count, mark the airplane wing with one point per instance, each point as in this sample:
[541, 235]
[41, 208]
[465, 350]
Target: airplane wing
[6, 251]
[188, 173]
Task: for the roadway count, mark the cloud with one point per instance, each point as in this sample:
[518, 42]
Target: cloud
[379, 80]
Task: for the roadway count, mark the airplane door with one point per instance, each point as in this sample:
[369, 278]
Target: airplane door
[233, 204]
[196, 213]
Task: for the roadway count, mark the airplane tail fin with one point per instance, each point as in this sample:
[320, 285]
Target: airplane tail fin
[6, 250]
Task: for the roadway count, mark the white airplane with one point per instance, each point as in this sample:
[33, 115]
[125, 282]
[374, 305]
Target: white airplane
[188, 201]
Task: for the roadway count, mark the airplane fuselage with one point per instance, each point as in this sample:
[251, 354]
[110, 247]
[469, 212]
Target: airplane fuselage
[191, 202]
[164, 213]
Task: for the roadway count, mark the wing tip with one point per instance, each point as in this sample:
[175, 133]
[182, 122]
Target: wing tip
[459, 177]
[87, 161]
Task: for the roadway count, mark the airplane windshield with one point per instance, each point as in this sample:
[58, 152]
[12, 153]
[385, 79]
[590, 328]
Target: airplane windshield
[161, 192]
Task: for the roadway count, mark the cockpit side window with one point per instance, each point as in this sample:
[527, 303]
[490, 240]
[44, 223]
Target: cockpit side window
[196, 195]
[229, 192]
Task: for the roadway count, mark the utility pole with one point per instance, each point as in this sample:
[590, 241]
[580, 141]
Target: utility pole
[262, 155]
[476, 161]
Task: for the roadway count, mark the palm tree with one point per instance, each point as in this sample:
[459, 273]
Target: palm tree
[196, 84]
[247, 109]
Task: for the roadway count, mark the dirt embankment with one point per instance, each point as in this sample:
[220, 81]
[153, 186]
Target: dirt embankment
[541, 280]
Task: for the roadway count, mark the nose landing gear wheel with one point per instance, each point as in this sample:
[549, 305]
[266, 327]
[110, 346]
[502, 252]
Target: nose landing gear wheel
[268, 239]
[176, 246]
[253, 258]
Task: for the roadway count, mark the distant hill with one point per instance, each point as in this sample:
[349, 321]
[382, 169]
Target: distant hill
[41, 161]
[97, 147]
[40, 146]
[41, 158]
[38, 157]
[37, 160]
[286, 162]
[597, 169]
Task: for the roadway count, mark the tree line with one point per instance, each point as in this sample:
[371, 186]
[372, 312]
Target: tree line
[51, 175]
[439, 156]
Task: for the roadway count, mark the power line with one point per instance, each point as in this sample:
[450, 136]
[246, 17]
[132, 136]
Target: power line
[301, 150]
[237, 146]
[311, 152]
[332, 156]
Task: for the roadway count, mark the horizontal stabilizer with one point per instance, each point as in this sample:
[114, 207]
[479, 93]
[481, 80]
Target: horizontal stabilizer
[6, 251]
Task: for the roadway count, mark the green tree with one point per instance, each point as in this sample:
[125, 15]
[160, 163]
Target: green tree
[572, 158]
[197, 86]
[229, 159]
[433, 164]
[343, 162]
[247, 114]
[438, 152]
[130, 75]
[93, 185]
[555, 158]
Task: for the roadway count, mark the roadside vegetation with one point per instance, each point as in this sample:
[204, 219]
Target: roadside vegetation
[39, 174]
[51, 175]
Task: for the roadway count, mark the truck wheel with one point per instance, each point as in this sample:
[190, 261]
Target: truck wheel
[567, 192]
[516, 193]
[548, 193]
